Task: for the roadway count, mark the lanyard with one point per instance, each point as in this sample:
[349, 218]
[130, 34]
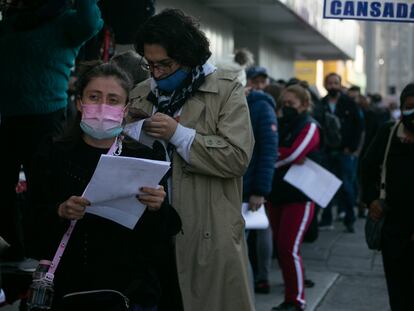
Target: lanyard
[115, 149]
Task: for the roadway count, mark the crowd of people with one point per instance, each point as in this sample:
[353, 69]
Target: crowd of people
[231, 133]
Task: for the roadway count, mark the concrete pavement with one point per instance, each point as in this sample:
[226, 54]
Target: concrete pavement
[347, 275]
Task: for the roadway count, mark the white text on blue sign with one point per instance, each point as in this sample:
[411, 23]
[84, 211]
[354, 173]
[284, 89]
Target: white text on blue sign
[380, 10]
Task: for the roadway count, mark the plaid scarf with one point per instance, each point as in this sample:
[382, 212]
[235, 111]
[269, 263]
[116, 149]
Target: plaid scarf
[171, 103]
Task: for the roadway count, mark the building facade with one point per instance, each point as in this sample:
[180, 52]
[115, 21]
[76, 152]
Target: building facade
[278, 32]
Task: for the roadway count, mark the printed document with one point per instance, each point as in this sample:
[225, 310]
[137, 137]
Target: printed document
[134, 130]
[116, 182]
[313, 180]
[255, 220]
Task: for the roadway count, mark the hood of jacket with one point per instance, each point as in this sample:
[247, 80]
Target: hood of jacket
[256, 96]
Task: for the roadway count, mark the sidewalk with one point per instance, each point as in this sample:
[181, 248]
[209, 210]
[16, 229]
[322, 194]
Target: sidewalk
[347, 275]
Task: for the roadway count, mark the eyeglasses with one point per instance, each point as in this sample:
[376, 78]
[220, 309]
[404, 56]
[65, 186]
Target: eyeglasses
[162, 66]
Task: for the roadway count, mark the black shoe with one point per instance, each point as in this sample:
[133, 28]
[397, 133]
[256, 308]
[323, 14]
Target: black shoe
[262, 287]
[309, 283]
[349, 228]
[287, 306]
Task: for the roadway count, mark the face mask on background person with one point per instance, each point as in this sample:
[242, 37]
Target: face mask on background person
[333, 92]
[408, 119]
[102, 121]
[173, 81]
[289, 113]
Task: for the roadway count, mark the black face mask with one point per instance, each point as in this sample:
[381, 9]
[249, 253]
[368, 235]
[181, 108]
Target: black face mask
[333, 92]
[289, 113]
[408, 120]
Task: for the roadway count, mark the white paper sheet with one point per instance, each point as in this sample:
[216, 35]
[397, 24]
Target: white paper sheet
[313, 180]
[115, 183]
[134, 130]
[255, 220]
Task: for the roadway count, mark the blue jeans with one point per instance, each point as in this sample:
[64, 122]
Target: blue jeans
[343, 166]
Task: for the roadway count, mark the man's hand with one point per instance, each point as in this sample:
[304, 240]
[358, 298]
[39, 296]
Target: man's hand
[375, 210]
[255, 202]
[160, 126]
[152, 197]
[73, 208]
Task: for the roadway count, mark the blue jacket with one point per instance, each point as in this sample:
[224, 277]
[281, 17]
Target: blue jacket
[258, 178]
[35, 64]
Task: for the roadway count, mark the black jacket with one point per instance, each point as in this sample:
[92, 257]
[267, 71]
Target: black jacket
[399, 178]
[283, 192]
[100, 253]
[350, 118]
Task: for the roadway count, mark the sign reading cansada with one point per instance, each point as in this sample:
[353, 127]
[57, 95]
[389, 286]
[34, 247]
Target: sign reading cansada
[371, 10]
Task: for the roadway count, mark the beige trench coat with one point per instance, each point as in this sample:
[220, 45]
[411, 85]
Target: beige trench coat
[211, 251]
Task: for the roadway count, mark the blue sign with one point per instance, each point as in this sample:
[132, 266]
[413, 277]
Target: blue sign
[370, 10]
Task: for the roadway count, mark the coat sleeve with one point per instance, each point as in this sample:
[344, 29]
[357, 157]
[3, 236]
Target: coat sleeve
[371, 166]
[85, 22]
[227, 153]
[266, 150]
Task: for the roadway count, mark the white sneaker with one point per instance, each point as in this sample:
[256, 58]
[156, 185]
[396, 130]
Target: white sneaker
[28, 265]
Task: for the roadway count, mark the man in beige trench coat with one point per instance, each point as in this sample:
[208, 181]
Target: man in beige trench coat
[212, 143]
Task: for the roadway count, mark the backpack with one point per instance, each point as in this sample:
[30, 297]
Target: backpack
[332, 137]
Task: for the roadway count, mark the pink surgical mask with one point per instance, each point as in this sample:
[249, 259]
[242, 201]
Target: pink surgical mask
[102, 121]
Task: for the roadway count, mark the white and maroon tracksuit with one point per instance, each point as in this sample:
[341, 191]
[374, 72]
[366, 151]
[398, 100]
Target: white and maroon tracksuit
[290, 220]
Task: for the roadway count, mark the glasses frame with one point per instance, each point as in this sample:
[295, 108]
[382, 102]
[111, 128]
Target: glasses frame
[151, 66]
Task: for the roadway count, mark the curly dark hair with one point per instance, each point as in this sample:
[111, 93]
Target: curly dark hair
[178, 34]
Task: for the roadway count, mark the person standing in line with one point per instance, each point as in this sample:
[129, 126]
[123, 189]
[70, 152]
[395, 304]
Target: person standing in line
[201, 114]
[257, 181]
[341, 158]
[39, 41]
[397, 243]
[101, 254]
[291, 211]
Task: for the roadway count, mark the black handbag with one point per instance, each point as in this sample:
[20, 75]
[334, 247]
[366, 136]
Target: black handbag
[373, 228]
[99, 300]
[373, 232]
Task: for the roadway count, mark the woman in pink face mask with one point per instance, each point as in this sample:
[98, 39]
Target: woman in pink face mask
[102, 254]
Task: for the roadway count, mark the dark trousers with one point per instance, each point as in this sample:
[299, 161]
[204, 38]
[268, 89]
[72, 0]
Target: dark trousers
[398, 259]
[342, 166]
[20, 137]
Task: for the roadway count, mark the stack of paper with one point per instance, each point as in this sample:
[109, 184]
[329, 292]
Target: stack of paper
[116, 182]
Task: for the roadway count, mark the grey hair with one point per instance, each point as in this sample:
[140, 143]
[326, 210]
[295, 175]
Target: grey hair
[244, 57]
